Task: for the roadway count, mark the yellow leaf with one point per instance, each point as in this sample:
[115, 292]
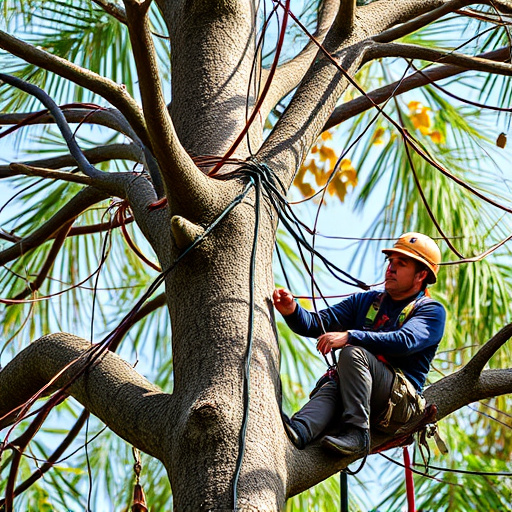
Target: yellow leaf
[346, 164]
[350, 177]
[306, 189]
[321, 176]
[437, 137]
[377, 135]
[326, 135]
[314, 149]
[327, 153]
[421, 120]
[338, 187]
[414, 105]
[420, 117]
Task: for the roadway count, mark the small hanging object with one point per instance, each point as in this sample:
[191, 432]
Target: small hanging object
[501, 141]
[139, 498]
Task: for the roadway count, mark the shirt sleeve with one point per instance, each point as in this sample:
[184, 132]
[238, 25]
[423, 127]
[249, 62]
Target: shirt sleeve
[333, 319]
[424, 328]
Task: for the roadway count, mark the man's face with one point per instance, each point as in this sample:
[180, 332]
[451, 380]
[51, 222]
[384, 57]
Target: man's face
[402, 279]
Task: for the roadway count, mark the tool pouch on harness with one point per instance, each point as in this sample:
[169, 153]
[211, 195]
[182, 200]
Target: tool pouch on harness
[404, 405]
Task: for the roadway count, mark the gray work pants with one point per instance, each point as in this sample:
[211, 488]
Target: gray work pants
[365, 385]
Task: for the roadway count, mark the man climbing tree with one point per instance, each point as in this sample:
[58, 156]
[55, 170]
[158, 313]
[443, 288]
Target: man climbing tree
[387, 341]
[201, 144]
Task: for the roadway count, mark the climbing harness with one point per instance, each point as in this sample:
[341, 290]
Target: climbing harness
[372, 323]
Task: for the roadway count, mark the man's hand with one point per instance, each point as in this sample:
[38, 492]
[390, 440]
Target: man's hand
[283, 301]
[331, 340]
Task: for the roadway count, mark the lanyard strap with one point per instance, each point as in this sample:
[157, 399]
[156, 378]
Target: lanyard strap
[373, 311]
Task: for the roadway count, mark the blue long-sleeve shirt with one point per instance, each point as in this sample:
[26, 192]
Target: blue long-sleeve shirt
[409, 347]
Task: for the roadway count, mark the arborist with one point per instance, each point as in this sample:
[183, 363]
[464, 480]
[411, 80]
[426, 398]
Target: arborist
[387, 340]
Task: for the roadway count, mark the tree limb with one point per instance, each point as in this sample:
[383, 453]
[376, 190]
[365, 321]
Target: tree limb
[310, 466]
[412, 51]
[113, 9]
[81, 161]
[313, 464]
[135, 409]
[116, 94]
[29, 170]
[416, 22]
[481, 358]
[345, 18]
[94, 155]
[108, 117]
[417, 79]
[181, 177]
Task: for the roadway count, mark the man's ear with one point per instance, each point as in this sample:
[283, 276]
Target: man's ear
[422, 275]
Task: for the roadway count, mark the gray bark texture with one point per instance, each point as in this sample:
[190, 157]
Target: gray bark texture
[195, 431]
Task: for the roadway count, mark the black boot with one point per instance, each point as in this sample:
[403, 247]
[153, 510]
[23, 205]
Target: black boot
[355, 441]
[296, 432]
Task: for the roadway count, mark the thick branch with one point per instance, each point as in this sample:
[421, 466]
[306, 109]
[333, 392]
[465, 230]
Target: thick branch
[113, 9]
[482, 357]
[132, 407]
[411, 51]
[469, 389]
[418, 21]
[417, 79]
[182, 178]
[345, 17]
[116, 94]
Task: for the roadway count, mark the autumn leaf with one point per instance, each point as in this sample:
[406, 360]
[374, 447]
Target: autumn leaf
[420, 117]
[437, 137]
[377, 136]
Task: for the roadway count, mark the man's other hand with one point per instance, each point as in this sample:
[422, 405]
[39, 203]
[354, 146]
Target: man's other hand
[283, 301]
[331, 340]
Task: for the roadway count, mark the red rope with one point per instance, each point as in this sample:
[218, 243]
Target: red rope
[409, 482]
